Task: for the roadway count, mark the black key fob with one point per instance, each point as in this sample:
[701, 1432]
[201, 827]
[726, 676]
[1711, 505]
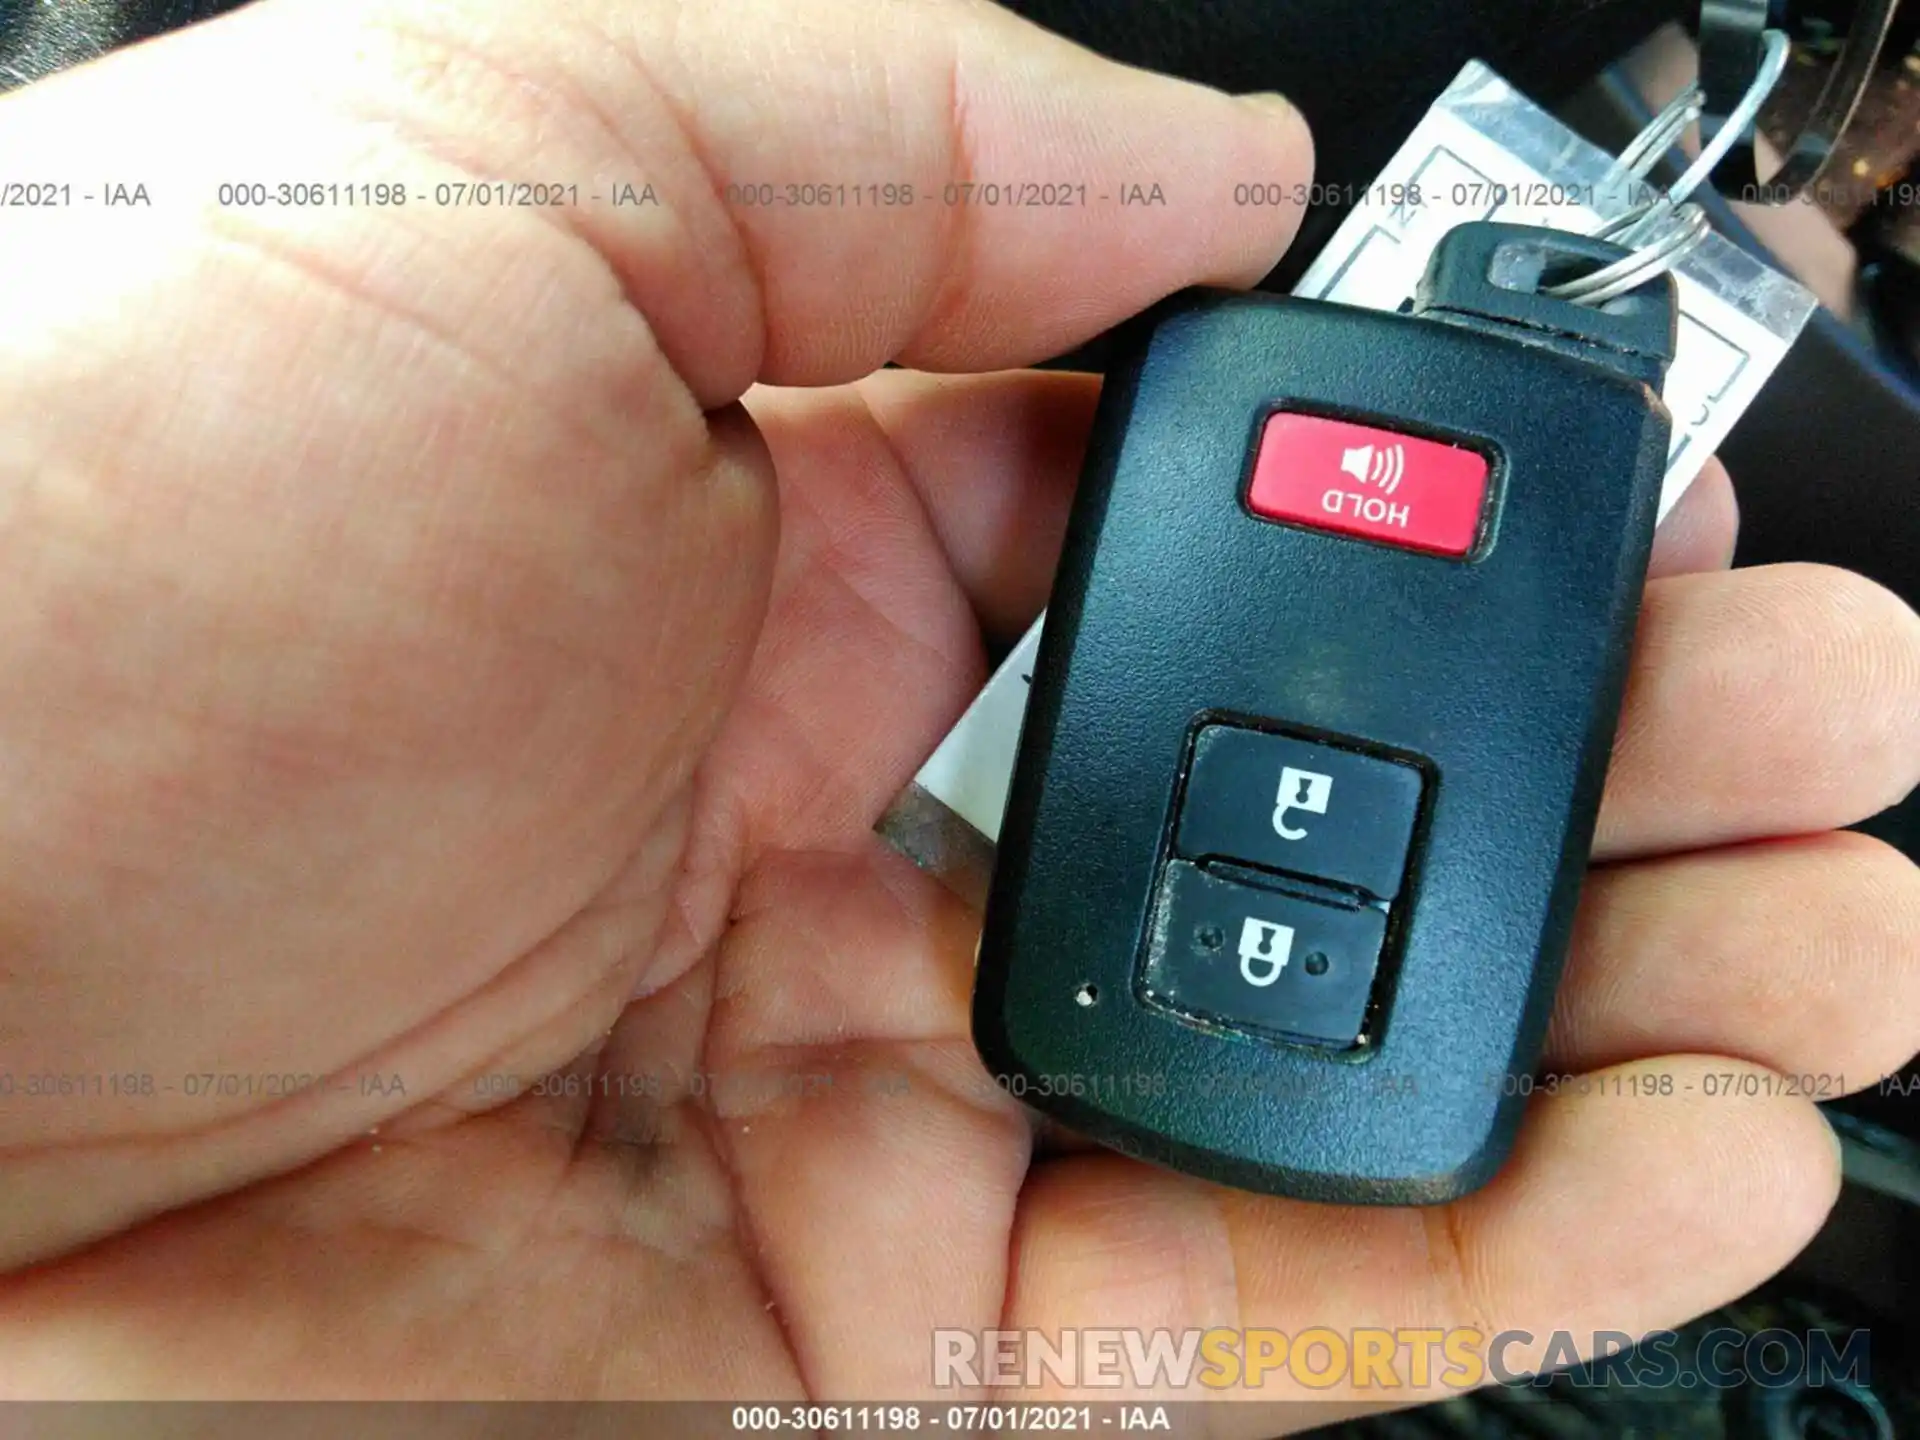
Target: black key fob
[1321, 720]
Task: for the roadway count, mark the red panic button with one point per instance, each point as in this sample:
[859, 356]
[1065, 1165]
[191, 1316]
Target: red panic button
[1357, 480]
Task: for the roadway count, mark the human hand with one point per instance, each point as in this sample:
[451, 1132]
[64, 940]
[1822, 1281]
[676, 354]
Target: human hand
[418, 667]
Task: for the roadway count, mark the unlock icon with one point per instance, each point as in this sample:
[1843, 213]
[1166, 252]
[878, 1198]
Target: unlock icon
[1304, 791]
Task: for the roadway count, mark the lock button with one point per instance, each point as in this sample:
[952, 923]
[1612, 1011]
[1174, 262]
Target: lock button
[1300, 808]
[1255, 960]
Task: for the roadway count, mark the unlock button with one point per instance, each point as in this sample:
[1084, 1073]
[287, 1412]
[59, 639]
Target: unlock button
[1299, 808]
[1302, 793]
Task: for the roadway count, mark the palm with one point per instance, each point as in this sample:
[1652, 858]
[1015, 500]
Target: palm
[792, 1100]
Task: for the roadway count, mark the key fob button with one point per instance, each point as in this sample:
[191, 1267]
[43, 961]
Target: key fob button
[1373, 483]
[1254, 960]
[1317, 811]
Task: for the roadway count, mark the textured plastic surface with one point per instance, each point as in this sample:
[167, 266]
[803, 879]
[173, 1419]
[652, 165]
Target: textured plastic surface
[1175, 607]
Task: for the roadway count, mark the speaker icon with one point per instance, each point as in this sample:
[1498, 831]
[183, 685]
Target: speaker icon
[1384, 466]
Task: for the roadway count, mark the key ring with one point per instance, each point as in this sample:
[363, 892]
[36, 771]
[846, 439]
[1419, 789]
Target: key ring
[1666, 229]
[1731, 32]
[1732, 43]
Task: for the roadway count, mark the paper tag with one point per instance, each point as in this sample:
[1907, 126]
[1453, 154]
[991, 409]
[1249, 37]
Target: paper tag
[1484, 152]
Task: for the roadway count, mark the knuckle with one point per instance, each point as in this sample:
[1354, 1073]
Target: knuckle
[478, 96]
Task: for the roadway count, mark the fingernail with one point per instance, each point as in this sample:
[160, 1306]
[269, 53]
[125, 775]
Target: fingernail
[1274, 101]
[1274, 105]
